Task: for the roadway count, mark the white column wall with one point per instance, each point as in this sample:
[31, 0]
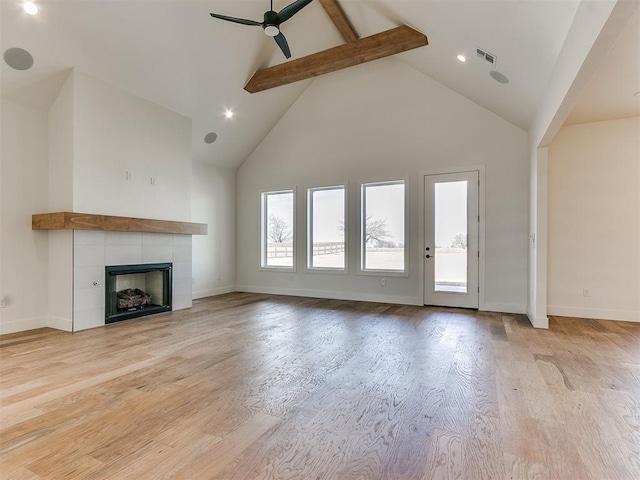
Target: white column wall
[131, 157]
[214, 254]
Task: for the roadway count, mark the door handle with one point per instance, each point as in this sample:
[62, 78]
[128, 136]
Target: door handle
[427, 256]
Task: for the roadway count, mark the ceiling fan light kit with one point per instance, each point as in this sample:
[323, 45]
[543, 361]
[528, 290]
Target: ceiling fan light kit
[271, 30]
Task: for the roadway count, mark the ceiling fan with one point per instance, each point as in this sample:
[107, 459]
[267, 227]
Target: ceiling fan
[272, 21]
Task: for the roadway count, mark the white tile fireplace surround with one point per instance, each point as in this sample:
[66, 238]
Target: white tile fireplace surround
[94, 250]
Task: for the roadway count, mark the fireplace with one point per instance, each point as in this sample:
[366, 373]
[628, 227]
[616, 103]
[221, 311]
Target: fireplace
[137, 290]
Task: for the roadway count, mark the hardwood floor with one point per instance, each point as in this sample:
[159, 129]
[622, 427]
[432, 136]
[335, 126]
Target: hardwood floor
[247, 386]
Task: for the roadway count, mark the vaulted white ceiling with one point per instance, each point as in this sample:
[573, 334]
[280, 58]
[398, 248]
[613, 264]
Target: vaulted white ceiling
[610, 93]
[173, 53]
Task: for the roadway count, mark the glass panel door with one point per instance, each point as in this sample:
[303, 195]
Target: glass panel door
[451, 240]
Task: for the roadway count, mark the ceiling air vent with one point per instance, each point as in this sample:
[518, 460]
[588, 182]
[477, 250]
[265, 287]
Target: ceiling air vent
[490, 58]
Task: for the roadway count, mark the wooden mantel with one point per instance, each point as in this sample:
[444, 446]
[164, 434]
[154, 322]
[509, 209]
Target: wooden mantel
[87, 221]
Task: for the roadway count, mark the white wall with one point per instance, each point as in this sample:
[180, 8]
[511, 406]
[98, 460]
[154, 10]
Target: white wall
[61, 119]
[537, 294]
[61, 139]
[594, 220]
[116, 132]
[24, 253]
[60, 288]
[214, 254]
[594, 30]
[385, 121]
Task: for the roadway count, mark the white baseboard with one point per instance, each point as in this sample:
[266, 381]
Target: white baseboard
[594, 313]
[368, 297]
[539, 321]
[22, 325]
[353, 296]
[59, 323]
[213, 292]
[504, 308]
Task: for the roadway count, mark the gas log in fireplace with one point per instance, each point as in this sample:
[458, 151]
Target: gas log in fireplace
[137, 290]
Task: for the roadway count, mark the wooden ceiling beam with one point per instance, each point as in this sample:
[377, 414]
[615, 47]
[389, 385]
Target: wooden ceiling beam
[338, 17]
[380, 45]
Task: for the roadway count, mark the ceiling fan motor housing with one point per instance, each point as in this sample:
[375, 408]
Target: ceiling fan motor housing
[271, 23]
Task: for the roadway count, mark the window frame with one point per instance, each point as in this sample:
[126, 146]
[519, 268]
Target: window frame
[263, 231]
[309, 242]
[362, 246]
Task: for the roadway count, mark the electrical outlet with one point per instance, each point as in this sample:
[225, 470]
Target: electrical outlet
[586, 292]
[3, 302]
[383, 282]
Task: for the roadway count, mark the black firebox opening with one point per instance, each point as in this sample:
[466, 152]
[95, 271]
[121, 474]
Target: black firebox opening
[137, 290]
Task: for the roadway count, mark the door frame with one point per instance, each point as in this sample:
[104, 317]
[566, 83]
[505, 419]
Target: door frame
[481, 227]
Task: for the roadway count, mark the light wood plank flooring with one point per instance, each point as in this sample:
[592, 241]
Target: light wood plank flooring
[247, 386]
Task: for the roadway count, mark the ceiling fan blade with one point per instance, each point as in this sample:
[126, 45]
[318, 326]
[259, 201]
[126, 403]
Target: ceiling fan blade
[282, 43]
[236, 20]
[290, 10]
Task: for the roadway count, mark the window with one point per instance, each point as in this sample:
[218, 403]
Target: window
[278, 230]
[326, 248]
[450, 232]
[383, 226]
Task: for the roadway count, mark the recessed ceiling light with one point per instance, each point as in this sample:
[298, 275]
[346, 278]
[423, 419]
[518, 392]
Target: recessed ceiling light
[462, 58]
[210, 137]
[30, 7]
[499, 77]
[18, 58]
[228, 113]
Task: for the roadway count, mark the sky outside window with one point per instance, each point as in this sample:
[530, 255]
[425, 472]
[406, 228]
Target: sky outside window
[384, 222]
[450, 262]
[328, 228]
[279, 232]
